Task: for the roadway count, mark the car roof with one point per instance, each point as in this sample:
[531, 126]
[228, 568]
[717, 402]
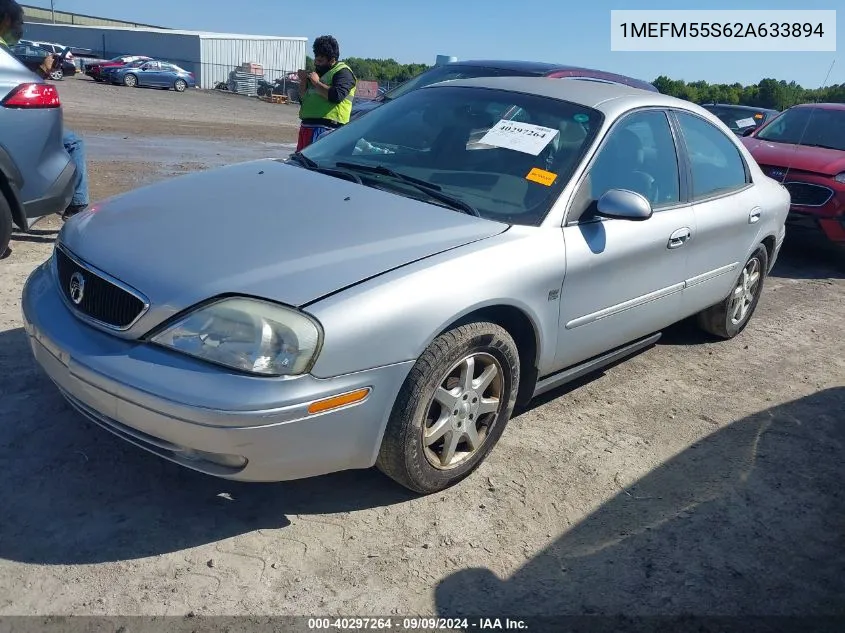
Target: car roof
[606, 97]
[739, 107]
[514, 65]
[822, 106]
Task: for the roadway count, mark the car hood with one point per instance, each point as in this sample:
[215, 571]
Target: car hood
[799, 157]
[262, 228]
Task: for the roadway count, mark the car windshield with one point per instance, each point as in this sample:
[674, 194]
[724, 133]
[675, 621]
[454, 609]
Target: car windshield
[502, 155]
[448, 72]
[738, 119]
[816, 127]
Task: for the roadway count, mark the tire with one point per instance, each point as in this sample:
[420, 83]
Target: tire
[423, 464]
[6, 225]
[180, 85]
[57, 75]
[726, 319]
[130, 81]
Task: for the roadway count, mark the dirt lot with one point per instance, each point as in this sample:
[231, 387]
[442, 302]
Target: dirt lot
[699, 477]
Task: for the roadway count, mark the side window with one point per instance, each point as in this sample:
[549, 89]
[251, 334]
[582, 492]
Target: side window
[717, 165]
[640, 156]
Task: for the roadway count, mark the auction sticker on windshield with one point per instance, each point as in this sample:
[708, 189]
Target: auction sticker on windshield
[746, 122]
[541, 176]
[520, 137]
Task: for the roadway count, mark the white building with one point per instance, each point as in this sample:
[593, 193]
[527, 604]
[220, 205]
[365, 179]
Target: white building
[210, 56]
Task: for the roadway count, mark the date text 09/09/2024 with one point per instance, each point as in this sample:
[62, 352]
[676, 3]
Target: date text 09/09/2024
[721, 29]
[416, 624]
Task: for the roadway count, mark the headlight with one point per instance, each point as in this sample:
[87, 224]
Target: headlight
[840, 177]
[254, 336]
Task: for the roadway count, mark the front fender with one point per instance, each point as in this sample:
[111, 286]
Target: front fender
[394, 317]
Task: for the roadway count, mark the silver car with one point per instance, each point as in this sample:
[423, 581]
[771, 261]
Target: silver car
[452, 254]
[37, 175]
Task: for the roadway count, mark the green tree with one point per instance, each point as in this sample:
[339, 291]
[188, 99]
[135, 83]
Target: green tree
[768, 93]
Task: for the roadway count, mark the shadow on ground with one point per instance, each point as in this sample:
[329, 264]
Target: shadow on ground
[808, 255]
[750, 520]
[71, 493]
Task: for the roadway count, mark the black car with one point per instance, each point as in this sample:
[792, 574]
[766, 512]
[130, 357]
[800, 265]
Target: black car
[33, 56]
[739, 118]
[497, 68]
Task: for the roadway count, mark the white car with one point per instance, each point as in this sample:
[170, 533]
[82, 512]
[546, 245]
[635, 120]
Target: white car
[56, 49]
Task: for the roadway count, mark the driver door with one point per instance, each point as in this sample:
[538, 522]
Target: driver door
[149, 74]
[625, 279]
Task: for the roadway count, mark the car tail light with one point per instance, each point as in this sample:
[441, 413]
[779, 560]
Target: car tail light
[33, 96]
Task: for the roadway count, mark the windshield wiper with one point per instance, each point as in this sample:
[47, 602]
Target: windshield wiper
[387, 171]
[428, 188]
[303, 160]
[311, 165]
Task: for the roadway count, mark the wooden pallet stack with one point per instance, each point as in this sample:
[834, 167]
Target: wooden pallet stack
[275, 99]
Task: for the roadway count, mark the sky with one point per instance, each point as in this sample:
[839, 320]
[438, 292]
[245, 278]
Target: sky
[573, 32]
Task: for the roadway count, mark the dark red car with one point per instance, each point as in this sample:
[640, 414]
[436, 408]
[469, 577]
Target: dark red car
[95, 69]
[804, 148]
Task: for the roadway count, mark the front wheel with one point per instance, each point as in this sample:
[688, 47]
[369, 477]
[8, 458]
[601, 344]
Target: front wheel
[452, 408]
[180, 85]
[57, 75]
[729, 318]
[130, 81]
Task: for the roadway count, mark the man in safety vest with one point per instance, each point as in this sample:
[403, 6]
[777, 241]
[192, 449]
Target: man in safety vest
[326, 95]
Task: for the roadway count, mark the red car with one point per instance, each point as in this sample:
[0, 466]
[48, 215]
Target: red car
[95, 69]
[804, 148]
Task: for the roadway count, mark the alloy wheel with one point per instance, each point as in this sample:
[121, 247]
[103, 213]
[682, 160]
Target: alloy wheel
[746, 289]
[462, 411]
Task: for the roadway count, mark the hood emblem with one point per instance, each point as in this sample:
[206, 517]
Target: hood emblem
[76, 288]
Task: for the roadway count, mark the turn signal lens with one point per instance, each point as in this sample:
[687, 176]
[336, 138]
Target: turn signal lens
[335, 402]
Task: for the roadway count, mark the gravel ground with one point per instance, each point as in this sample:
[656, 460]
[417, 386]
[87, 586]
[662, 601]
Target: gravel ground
[97, 107]
[698, 477]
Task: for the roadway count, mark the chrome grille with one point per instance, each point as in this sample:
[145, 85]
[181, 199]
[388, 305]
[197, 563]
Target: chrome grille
[105, 301]
[806, 194]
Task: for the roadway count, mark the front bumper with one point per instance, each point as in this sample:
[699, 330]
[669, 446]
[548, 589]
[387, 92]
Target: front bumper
[829, 218]
[118, 384]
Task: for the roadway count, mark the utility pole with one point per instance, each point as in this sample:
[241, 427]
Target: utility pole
[53, 10]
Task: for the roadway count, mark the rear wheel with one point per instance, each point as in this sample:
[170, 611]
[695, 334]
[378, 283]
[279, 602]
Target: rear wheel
[180, 85]
[729, 318]
[130, 81]
[452, 408]
[6, 225]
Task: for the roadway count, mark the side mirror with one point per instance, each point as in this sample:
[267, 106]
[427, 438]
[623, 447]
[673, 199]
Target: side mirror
[749, 131]
[621, 204]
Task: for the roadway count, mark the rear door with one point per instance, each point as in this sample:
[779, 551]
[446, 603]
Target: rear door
[625, 279]
[725, 204]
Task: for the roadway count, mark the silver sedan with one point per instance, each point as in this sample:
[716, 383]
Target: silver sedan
[447, 257]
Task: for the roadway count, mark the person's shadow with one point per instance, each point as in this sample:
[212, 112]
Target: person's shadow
[748, 521]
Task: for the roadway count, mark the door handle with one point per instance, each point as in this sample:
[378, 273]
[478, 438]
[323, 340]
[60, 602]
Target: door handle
[754, 216]
[679, 238]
